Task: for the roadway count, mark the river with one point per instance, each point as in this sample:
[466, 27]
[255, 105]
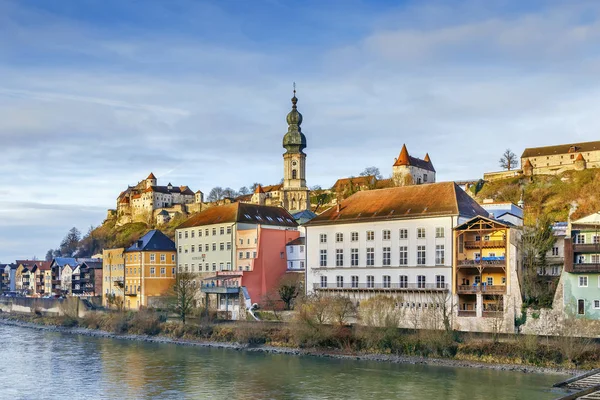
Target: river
[49, 365]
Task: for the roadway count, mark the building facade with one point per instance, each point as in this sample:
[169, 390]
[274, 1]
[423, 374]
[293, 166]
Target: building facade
[296, 255]
[395, 242]
[581, 275]
[408, 170]
[551, 160]
[150, 269]
[485, 280]
[113, 275]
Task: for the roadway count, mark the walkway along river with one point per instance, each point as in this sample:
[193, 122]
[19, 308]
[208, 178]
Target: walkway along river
[48, 365]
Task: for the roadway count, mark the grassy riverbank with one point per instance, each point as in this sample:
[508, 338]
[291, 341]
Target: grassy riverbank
[387, 344]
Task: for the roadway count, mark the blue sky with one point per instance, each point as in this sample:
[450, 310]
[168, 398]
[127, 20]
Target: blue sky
[96, 94]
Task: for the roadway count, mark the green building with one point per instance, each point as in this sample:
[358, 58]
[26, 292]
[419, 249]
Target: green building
[581, 276]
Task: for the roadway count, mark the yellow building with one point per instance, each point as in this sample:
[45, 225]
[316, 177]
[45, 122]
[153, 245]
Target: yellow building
[113, 274]
[149, 269]
[485, 281]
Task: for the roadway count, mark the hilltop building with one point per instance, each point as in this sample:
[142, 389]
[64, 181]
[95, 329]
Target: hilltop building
[147, 201]
[409, 170]
[551, 160]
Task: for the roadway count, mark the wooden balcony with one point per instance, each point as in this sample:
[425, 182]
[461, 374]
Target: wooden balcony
[484, 289]
[578, 268]
[499, 262]
[485, 244]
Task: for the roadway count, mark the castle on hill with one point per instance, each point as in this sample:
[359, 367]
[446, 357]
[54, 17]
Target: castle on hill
[149, 202]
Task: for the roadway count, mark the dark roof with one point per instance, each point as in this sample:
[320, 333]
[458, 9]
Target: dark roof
[92, 264]
[489, 220]
[169, 190]
[297, 242]
[417, 201]
[241, 212]
[417, 162]
[561, 149]
[153, 240]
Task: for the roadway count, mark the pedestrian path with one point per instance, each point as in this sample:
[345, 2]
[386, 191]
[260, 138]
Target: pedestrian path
[585, 386]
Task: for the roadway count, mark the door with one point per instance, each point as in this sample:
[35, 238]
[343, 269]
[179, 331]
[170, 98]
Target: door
[581, 307]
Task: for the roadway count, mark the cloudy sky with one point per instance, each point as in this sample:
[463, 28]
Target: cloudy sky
[96, 94]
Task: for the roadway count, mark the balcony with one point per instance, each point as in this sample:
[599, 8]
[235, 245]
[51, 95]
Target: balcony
[586, 248]
[467, 313]
[492, 314]
[485, 262]
[381, 286]
[483, 244]
[55, 281]
[485, 289]
[582, 268]
[118, 283]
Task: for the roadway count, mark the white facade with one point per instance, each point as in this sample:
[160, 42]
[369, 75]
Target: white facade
[409, 256]
[296, 255]
[206, 248]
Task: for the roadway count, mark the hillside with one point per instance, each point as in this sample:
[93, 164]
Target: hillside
[548, 195]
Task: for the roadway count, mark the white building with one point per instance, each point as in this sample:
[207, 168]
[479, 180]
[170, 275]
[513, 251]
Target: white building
[504, 211]
[296, 255]
[395, 241]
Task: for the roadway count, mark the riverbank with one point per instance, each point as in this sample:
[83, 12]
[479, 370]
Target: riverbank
[26, 321]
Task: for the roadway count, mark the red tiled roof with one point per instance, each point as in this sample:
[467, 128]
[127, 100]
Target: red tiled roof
[241, 212]
[362, 181]
[259, 189]
[430, 200]
[580, 157]
[403, 157]
[272, 188]
[151, 176]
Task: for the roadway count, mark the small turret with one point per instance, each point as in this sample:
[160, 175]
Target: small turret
[151, 180]
[259, 196]
[528, 168]
[579, 162]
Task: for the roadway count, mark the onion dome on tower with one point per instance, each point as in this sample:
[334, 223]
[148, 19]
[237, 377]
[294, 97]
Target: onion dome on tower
[294, 140]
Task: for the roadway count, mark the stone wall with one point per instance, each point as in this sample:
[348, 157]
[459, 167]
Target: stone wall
[72, 306]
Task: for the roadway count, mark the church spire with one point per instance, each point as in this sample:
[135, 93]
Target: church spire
[294, 140]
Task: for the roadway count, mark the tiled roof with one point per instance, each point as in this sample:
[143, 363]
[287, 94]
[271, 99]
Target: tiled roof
[272, 188]
[580, 157]
[153, 240]
[405, 159]
[417, 201]
[362, 181]
[297, 242]
[92, 264]
[258, 189]
[491, 222]
[169, 190]
[151, 176]
[561, 149]
[241, 212]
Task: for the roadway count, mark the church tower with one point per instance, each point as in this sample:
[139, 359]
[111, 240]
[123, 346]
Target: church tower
[295, 191]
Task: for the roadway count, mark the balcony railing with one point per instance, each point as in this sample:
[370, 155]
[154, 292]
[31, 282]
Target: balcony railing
[477, 244]
[381, 286]
[483, 262]
[486, 289]
[582, 267]
[467, 313]
[586, 248]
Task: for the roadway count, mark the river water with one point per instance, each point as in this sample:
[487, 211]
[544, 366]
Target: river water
[48, 365]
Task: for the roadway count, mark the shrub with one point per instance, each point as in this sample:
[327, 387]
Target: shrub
[146, 322]
[251, 333]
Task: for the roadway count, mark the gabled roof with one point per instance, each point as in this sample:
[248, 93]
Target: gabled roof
[362, 181]
[153, 240]
[258, 189]
[62, 261]
[406, 159]
[417, 201]
[272, 188]
[151, 176]
[592, 219]
[300, 241]
[242, 213]
[561, 149]
[491, 222]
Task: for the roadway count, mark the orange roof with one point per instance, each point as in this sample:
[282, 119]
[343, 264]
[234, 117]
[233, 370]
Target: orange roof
[527, 163]
[271, 188]
[580, 157]
[151, 176]
[259, 189]
[241, 212]
[125, 200]
[403, 157]
[418, 201]
[362, 181]
[427, 157]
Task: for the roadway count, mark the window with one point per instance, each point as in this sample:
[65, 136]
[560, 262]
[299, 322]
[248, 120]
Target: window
[403, 233]
[193, 249]
[477, 238]
[322, 238]
[580, 239]
[424, 177]
[291, 249]
[206, 247]
[179, 235]
[581, 307]
[421, 281]
[477, 280]
[214, 266]
[179, 250]
[339, 280]
[214, 231]
[339, 257]
[301, 249]
[490, 281]
[228, 245]
[354, 237]
[439, 254]
[228, 266]
[387, 281]
[301, 264]
[403, 281]
[186, 234]
[387, 235]
[370, 235]
[354, 279]
[221, 246]
[222, 230]
[439, 232]
[555, 251]
[595, 258]
[163, 258]
[597, 304]
[152, 271]
[228, 230]
[254, 254]
[241, 255]
[403, 255]
[339, 237]
[172, 257]
[596, 239]
[323, 281]
[421, 255]
[583, 281]
[323, 262]
[152, 257]
[420, 233]
[486, 238]
[387, 256]
[354, 257]
[206, 232]
[370, 256]
[163, 270]
[199, 232]
[247, 254]
[370, 281]
[206, 267]
[440, 281]
[221, 266]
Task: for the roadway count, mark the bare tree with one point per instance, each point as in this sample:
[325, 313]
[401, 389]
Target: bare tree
[244, 191]
[289, 288]
[229, 192]
[215, 194]
[381, 311]
[509, 160]
[184, 294]
[115, 301]
[341, 309]
[372, 171]
[315, 309]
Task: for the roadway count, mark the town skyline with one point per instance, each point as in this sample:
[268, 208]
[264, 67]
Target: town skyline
[104, 100]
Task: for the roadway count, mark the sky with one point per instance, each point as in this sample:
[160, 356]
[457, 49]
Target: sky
[96, 94]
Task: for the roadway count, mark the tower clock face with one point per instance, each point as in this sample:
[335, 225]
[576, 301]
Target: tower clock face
[294, 163]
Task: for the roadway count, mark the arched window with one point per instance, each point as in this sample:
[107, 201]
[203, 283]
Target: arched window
[294, 174]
